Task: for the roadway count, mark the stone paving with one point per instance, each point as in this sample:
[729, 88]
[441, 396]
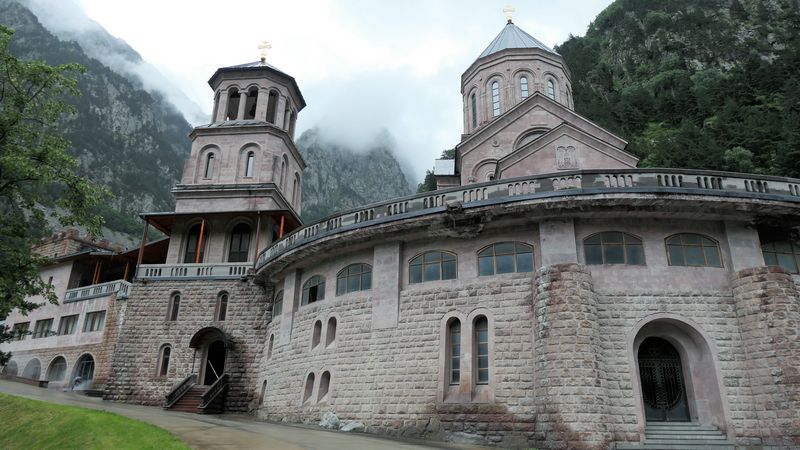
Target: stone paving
[226, 431]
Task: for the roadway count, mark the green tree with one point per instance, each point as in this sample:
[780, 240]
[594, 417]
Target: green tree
[33, 166]
[429, 182]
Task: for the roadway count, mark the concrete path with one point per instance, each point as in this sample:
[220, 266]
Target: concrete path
[226, 431]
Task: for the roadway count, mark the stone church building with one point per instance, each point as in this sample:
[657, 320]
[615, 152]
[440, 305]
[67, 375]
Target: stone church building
[548, 294]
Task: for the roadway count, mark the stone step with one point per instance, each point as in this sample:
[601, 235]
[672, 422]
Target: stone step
[682, 425]
[696, 442]
[709, 430]
[650, 446]
[683, 437]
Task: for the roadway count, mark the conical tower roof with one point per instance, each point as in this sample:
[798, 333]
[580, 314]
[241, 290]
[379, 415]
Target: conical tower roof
[513, 37]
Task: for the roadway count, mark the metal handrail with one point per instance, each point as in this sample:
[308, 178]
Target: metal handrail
[220, 387]
[179, 390]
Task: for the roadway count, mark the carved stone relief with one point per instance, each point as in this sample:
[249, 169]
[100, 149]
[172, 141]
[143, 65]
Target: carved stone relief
[566, 158]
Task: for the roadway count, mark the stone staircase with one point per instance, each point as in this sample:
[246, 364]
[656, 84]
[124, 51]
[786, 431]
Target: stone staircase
[680, 436]
[190, 400]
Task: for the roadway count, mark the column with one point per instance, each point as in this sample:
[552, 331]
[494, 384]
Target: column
[280, 107]
[242, 103]
[261, 104]
[222, 109]
[386, 275]
[291, 301]
[768, 310]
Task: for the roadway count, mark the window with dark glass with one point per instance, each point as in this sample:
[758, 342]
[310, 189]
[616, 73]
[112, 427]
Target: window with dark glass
[277, 306]
[174, 307]
[783, 253]
[355, 277]
[613, 247]
[474, 108]
[94, 321]
[209, 165]
[68, 325]
[505, 257]
[20, 330]
[222, 306]
[551, 89]
[272, 107]
[313, 290]
[42, 328]
[164, 362]
[481, 330]
[248, 168]
[192, 242]
[432, 266]
[240, 243]
[523, 87]
[693, 250]
[495, 99]
[454, 351]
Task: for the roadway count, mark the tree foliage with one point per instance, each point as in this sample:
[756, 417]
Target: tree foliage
[33, 165]
[706, 85]
[429, 182]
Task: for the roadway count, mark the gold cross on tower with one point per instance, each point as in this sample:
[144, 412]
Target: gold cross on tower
[509, 10]
[264, 46]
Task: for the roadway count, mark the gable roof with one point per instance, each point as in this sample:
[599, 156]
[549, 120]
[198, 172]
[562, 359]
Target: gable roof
[511, 36]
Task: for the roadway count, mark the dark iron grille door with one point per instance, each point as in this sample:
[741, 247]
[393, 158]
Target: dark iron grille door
[662, 381]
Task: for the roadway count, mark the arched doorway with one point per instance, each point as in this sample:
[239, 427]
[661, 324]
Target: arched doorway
[33, 370]
[57, 370]
[83, 374]
[215, 362]
[663, 387]
[10, 369]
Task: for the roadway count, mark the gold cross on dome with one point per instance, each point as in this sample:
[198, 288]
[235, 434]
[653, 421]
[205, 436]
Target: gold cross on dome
[509, 10]
[264, 46]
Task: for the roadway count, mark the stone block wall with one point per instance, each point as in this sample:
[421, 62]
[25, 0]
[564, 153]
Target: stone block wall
[146, 329]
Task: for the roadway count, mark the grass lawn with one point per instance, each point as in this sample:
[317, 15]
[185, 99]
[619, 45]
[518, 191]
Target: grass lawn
[31, 424]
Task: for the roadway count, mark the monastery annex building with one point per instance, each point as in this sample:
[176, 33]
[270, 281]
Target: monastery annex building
[548, 294]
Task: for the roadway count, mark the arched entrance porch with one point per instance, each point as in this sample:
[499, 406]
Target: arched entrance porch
[675, 373]
[83, 373]
[211, 353]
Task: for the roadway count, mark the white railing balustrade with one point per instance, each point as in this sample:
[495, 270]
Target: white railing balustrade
[220, 271]
[121, 287]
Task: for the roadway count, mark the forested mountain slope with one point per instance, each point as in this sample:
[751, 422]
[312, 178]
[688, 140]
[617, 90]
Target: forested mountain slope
[712, 84]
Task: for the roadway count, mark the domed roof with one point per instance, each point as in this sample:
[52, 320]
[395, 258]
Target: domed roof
[513, 37]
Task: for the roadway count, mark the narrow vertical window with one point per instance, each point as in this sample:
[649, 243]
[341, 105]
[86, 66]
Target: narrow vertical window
[271, 344]
[240, 243]
[317, 333]
[284, 165]
[209, 165]
[481, 328]
[295, 189]
[272, 106]
[495, 99]
[248, 169]
[195, 247]
[309, 387]
[174, 306]
[454, 350]
[250, 104]
[233, 104]
[222, 306]
[324, 386]
[474, 108]
[277, 304]
[551, 89]
[523, 87]
[330, 334]
[164, 362]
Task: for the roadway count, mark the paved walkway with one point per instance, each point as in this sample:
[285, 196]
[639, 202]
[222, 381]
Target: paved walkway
[228, 430]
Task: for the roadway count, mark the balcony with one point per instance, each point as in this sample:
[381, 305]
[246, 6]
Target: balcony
[222, 271]
[120, 287]
[568, 183]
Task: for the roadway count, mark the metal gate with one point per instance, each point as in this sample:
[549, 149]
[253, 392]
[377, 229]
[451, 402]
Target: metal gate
[663, 387]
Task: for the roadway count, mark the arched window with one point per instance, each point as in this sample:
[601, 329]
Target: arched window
[495, 99]
[782, 253]
[316, 334]
[271, 344]
[291, 124]
[613, 247]
[221, 311]
[505, 257]
[551, 89]
[523, 87]
[163, 360]
[240, 243]
[57, 370]
[286, 112]
[355, 277]
[330, 334]
[277, 305]
[250, 105]
[688, 249]
[249, 163]
[309, 387]
[295, 189]
[454, 352]
[209, 172]
[313, 290]
[233, 104]
[481, 342]
[272, 106]
[324, 386]
[566, 96]
[474, 108]
[195, 246]
[432, 266]
[284, 166]
[10, 369]
[174, 307]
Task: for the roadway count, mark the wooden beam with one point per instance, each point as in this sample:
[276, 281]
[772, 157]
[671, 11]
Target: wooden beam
[280, 236]
[200, 242]
[127, 268]
[144, 241]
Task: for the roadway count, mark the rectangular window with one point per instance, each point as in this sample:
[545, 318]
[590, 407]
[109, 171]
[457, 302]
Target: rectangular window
[94, 321]
[42, 328]
[68, 325]
[20, 330]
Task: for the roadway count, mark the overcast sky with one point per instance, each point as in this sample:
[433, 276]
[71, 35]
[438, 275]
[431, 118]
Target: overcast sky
[361, 65]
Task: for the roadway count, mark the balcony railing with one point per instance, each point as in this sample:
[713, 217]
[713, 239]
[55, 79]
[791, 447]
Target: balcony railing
[692, 182]
[223, 271]
[121, 287]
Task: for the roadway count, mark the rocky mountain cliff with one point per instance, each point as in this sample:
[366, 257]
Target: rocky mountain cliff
[339, 178]
[701, 84]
